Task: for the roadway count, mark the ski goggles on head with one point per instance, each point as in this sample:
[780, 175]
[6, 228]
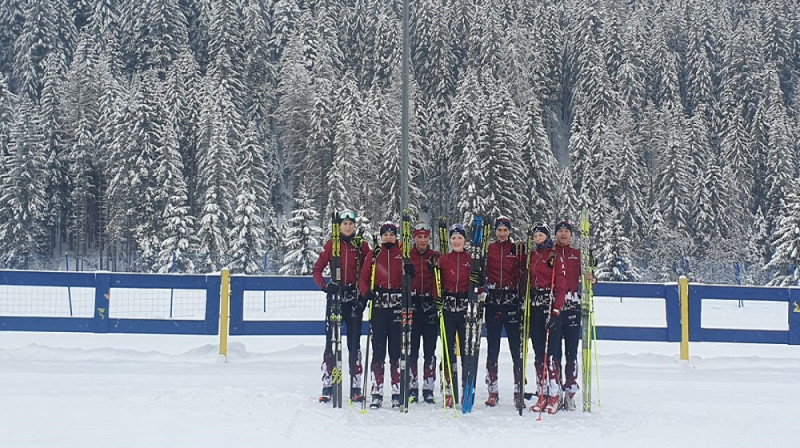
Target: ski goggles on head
[422, 228]
[347, 215]
[458, 228]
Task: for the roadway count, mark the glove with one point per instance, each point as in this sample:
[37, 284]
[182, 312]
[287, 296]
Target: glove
[358, 308]
[370, 295]
[434, 261]
[439, 302]
[476, 276]
[551, 261]
[331, 288]
[409, 270]
[554, 321]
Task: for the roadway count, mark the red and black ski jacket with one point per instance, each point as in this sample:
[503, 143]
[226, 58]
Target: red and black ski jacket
[349, 256]
[455, 268]
[502, 266]
[568, 276]
[541, 272]
[424, 283]
[388, 271]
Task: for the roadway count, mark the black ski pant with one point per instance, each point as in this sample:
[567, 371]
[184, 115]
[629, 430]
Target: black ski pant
[454, 323]
[352, 335]
[386, 333]
[539, 336]
[497, 318]
[571, 324]
[424, 329]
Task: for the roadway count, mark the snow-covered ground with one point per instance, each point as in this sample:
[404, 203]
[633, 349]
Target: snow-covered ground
[99, 390]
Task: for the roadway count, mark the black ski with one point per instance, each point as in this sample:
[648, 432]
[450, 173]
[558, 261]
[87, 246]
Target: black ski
[407, 315]
[335, 318]
[474, 316]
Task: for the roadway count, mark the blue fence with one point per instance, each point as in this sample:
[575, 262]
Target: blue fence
[103, 284]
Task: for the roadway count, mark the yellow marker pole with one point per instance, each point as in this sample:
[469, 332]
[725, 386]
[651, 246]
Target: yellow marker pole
[683, 293]
[224, 313]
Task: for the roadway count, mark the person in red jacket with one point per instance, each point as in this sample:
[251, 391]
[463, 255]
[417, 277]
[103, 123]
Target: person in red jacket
[502, 306]
[568, 273]
[426, 316]
[352, 253]
[547, 301]
[455, 277]
[386, 296]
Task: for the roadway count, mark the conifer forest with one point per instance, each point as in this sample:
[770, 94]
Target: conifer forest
[191, 135]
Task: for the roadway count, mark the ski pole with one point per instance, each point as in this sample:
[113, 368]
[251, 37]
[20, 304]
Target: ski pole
[366, 358]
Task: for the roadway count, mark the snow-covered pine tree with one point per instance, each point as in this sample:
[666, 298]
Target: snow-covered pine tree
[182, 98]
[352, 144]
[247, 236]
[501, 179]
[153, 35]
[470, 200]
[260, 70]
[295, 101]
[216, 175]
[387, 140]
[7, 104]
[51, 110]
[785, 260]
[737, 168]
[12, 18]
[674, 168]
[614, 262]
[462, 132]
[781, 152]
[134, 207]
[178, 240]
[23, 201]
[84, 180]
[303, 239]
[44, 35]
[626, 173]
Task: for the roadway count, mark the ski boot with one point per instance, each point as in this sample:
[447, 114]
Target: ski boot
[327, 394]
[517, 399]
[396, 402]
[494, 398]
[427, 397]
[540, 404]
[413, 396]
[569, 401]
[377, 402]
[355, 395]
[552, 404]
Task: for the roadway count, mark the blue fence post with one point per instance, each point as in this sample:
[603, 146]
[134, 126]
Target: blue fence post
[237, 305]
[673, 305]
[794, 316]
[102, 302]
[213, 283]
[266, 260]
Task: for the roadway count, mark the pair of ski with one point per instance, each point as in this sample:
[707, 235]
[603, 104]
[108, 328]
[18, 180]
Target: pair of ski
[334, 321]
[474, 317]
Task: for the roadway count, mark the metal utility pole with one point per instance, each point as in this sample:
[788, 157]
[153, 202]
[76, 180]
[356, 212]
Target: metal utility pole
[404, 125]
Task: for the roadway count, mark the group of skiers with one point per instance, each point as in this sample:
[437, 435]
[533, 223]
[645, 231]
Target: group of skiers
[551, 269]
